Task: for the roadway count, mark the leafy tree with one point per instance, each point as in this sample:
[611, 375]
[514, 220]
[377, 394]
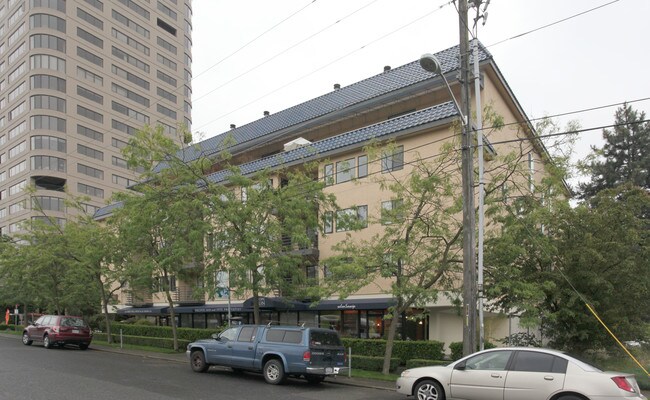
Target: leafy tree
[623, 158]
[162, 224]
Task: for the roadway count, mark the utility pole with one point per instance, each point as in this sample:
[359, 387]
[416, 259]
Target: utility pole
[469, 219]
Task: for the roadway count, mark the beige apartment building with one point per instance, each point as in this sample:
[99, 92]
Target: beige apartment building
[77, 78]
[407, 106]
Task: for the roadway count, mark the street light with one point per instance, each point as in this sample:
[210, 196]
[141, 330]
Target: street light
[430, 63]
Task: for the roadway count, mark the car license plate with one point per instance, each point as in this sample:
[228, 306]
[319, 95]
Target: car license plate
[75, 331]
[329, 370]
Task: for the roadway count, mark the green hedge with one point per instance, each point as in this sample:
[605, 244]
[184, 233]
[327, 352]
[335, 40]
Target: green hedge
[415, 363]
[188, 334]
[457, 349]
[404, 350]
[368, 363]
[161, 343]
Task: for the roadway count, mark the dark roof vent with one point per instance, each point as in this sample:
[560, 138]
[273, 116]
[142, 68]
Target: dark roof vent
[387, 68]
[233, 126]
[337, 86]
[266, 113]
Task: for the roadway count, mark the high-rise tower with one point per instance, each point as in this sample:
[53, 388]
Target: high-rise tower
[77, 79]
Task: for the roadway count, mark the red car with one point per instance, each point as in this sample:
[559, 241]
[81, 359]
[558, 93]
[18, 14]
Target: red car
[58, 330]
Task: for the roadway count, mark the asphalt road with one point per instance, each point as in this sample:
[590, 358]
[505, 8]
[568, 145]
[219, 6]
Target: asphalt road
[35, 373]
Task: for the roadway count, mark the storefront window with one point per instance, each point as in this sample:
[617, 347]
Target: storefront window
[309, 318]
[375, 324]
[214, 321]
[199, 321]
[186, 320]
[350, 323]
[288, 318]
[331, 320]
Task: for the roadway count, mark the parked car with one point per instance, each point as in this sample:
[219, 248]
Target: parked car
[276, 351]
[516, 374]
[58, 330]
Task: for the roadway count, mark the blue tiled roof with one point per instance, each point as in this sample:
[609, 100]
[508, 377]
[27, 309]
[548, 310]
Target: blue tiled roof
[107, 210]
[356, 138]
[356, 93]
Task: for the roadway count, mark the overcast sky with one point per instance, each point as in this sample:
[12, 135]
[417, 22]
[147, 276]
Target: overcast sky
[260, 55]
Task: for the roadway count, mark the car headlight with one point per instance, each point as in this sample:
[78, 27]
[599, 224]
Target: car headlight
[405, 373]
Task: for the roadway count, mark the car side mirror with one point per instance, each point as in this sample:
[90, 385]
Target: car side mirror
[460, 366]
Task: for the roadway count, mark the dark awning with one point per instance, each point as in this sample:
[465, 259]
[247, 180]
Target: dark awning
[162, 310]
[211, 308]
[277, 303]
[356, 304]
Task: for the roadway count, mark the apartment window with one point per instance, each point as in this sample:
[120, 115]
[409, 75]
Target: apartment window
[90, 114]
[187, 60]
[166, 95]
[19, 90]
[168, 129]
[3, 158]
[166, 78]
[2, 125]
[187, 107]
[133, 78]
[120, 144]
[166, 27]
[3, 176]
[134, 26]
[130, 41]
[48, 163]
[187, 91]
[44, 61]
[90, 133]
[166, 111]
[90, 190]
[96, 3]
[531, 172]
[328, 174]
[47, 82]
[90, 95]
[43, 41]
[393, 160]
[122, 127]
[17, 188]
[90, 171]
[350, 218]
[42, 101]
[43, 142]
[89, 208]
[3, 104]
[119, 162]
[92, 20]
[167, 11]
[18, 168]
[89, 76]
[135, 7]
[328, 222]
[15, 74]
[58, 5]
[17, 149]
[166, 45]
[188, 43]
[122, 181]
[345, 170]
[166, 62]
[48, 203]
[46, 21]
[13, 38]
[129, 94]
[90, 38]
[130, 59]
[17, 207]
[362, 166]
[90, 152]
[3, 66]
[3, 140]
[88, 56]
[21, 108]
[188, 26]
[15, 17]
[18, 130]
[3, 85]
[391, 211]
[15, 227]
[3, 214]
[187, 75]
[130, 112]
[16, 54]
[48, 123]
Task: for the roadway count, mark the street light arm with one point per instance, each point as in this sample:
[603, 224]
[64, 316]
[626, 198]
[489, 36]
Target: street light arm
[430, 63]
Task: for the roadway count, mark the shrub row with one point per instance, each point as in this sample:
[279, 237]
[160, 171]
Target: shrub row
[159, 342]
[189, 334]
[457, 349]
[370, 363]
[404, 350]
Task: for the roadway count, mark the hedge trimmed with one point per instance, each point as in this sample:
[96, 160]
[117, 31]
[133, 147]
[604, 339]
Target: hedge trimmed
[457, 349]
[404, 350]
[373, 363]
[162, 343]
[415, 363]
[189, 334]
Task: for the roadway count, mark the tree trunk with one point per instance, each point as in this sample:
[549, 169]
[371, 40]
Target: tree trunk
[256, 307]
[107, 320]
[172, 316]
[389, 343]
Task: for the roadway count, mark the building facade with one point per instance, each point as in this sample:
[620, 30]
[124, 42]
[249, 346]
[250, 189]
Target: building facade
[77, 79]
[408, 107]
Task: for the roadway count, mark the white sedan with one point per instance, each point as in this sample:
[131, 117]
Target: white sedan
[518, 374]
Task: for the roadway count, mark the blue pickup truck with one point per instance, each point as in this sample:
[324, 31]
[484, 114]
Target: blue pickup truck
[276, 351]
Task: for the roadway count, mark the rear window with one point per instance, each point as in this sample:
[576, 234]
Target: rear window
[284, 336]
[74, 322]
[324, 338]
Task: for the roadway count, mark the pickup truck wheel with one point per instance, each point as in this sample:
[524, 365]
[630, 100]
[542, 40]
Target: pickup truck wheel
[314, 379]
[197, 361]
[274, 372]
